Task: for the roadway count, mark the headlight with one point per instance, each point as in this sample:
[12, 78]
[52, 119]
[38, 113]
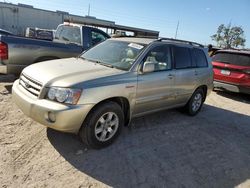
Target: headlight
[64, 95]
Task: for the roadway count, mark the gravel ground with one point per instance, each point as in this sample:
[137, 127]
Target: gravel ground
[165, 149]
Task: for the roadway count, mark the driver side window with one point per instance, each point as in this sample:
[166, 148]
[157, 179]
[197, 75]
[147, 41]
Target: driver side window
[160, 56]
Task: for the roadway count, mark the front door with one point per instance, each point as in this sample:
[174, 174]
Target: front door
[155, 89]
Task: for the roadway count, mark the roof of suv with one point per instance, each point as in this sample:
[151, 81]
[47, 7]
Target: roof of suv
[135, 40]
[144, 40]
[234, 51]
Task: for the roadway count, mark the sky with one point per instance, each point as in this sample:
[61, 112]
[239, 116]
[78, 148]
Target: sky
[198, 19]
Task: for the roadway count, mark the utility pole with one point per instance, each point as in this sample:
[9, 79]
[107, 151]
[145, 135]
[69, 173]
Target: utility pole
[89, 10]
[177, 29]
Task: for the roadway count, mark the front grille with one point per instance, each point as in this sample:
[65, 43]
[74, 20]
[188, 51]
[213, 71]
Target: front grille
[31, 85]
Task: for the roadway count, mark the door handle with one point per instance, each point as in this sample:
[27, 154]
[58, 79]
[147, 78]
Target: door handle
[170, 76]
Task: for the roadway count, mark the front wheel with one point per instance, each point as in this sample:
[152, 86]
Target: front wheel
[102, 125]
[195, 102]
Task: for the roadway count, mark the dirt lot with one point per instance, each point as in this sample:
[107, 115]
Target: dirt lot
[166, 149]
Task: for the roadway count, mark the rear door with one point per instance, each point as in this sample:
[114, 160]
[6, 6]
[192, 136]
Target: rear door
[155, 89]
[185, 74]
[202, 70]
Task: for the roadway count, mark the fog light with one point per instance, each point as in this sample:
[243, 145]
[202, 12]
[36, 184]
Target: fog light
[51, 117]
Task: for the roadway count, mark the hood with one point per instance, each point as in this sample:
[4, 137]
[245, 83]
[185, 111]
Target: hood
[67, 72]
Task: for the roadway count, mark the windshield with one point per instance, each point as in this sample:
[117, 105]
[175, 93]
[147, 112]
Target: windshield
[118, 54]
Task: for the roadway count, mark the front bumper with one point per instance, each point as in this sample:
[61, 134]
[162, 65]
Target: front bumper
[231, 87]
[68, 118]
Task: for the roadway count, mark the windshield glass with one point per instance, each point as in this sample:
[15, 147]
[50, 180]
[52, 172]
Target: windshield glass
[118, 54]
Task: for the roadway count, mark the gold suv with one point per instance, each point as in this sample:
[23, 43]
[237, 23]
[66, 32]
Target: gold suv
[97, 93]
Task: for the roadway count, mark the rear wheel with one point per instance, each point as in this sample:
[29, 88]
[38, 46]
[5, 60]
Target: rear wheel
[102, 125]
[195, 102]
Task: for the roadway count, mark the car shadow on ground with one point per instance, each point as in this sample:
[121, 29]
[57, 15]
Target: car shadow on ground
[8, 89]
[241, 97]
[168, 149]
[8, 83]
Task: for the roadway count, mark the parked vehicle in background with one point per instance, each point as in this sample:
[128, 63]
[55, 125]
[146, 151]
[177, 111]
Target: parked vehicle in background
[70, 40]
[4, 32]
[98, 93]
[232, 70]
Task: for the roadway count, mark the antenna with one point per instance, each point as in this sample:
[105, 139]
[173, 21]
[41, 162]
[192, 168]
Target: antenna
[177, 29]
[89, 10]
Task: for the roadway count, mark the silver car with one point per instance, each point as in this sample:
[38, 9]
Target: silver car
[97, 93]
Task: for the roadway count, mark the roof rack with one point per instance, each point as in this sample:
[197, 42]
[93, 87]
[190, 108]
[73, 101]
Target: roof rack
[181, 41]
[131, 36]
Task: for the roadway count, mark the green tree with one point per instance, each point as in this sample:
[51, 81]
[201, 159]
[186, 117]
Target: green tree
[229, 37]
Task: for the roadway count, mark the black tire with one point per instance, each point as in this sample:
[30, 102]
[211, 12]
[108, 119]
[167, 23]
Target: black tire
[89, 128]
[195, 102]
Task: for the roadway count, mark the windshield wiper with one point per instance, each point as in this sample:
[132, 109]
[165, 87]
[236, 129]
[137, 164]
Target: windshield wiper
[105, 64]
[98, 62]
[64, 38]
[82, 57]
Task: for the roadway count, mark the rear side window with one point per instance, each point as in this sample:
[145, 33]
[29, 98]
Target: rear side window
[182, 58]
[231, 58]
[199, 58]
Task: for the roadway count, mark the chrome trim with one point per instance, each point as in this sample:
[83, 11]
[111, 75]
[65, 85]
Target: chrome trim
[32, 86]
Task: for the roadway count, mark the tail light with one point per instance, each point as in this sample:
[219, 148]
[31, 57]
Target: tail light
[3, 51]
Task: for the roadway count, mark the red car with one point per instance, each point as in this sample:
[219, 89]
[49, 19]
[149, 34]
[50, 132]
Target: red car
[232, 70]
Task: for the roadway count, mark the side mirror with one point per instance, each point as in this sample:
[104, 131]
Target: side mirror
[148, 67]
